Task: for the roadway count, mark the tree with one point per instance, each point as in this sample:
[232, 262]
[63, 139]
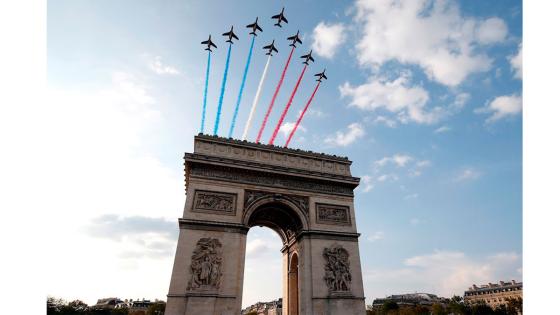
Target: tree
[438, 309]
[389, 307]
[157, 308]
[457, 306]
[252, 313]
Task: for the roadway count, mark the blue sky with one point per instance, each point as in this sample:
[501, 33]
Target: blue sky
[423, 96]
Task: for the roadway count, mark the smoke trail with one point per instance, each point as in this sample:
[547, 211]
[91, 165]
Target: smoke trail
[301, 115]
[281, 120]
[220, 101]
[241, 89]
[256, 100]
[205, 94]
[275, 95]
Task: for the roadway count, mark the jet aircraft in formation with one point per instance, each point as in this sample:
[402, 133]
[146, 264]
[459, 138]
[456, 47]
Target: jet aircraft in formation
[295, 39]
[209, 43]
[280, 17]
[230, 35]
[270, 48]
[308, 57]
[254, 27]
[321, 75]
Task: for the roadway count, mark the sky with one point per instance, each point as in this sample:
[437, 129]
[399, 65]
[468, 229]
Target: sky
[425, 97]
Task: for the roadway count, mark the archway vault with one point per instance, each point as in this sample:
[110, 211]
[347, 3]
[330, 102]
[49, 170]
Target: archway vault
[306, 197]
[281, 213]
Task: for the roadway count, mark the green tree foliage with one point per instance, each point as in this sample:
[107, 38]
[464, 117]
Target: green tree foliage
[156, 309]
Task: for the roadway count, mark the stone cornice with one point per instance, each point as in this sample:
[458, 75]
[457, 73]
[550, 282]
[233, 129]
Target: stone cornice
[250, 165]
[271, 155]
[275, 148]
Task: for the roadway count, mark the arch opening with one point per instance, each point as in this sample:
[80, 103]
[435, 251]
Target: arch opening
[293, 285]
[279, 217]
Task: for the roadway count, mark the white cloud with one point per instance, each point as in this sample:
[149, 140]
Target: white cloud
[399, 160]
[386, 121]
[327, 38]
[354, 132]
[256, 247]
[442, 129]
[287, 127]
[387, 177]
[467, 174]
[396, 96]
[103, 165]
[492, 30]
[445, 273]
[367, 183]
[157, 66]
[431, 34]
[501, 107]
[379, 235]
[516, 63]
[411, 196]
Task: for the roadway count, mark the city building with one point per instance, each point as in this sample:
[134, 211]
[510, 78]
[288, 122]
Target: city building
[107, 303]
[410, 299]
[494, 294]
[265, 308]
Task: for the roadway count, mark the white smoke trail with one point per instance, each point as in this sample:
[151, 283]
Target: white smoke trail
[255, 100]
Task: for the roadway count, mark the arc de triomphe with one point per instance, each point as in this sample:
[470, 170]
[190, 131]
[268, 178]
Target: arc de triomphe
[306, 197]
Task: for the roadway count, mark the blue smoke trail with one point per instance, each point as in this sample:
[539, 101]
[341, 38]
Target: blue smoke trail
[241, 89]
[205, 94]
[221, 100]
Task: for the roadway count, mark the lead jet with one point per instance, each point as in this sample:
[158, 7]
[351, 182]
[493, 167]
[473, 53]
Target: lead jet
[209, 43]
[321, 75]
[230, 35]
[280, 17]
[295, 39]
[270, 48]
[254, 27]
[308, 57]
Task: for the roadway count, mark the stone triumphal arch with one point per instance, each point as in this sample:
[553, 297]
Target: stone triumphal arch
[306, 197]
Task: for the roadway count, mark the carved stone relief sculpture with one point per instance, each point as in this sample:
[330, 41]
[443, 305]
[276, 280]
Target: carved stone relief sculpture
[337, 269]
[206, 265]
[332, 214]
[209, 201]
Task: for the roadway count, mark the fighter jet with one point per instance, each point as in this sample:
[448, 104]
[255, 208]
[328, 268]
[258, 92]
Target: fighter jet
[295, 39]
[280, 17]
[270, 48]
[254, 27]
[308, 57]
[230, 35]
[209, 43]
[321, 75]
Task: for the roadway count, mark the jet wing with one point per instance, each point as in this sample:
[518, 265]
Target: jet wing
[212, 44]
[311, 58]
[283, 18]
[276, 16]
[234, 36]
[259, 28]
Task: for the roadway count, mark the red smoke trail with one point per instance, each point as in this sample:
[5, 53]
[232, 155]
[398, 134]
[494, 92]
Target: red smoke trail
[301, 115]
[274, 97]
[281, 120]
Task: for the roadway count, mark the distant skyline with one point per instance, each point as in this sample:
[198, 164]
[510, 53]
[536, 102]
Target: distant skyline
[423, 96]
